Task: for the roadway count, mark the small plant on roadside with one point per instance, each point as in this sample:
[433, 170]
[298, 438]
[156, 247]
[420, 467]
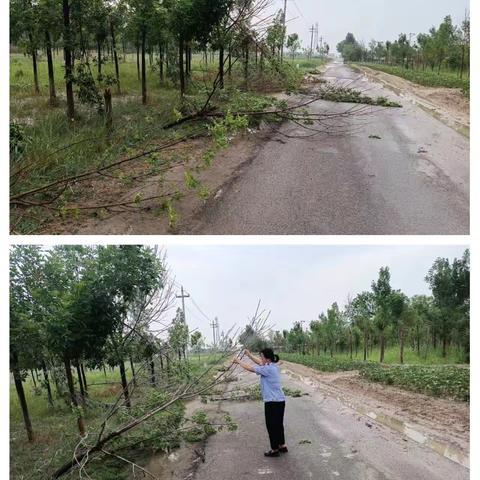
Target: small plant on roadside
[19, 141]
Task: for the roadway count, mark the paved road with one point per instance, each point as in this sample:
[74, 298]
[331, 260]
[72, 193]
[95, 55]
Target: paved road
[342, 445]
[413, 180]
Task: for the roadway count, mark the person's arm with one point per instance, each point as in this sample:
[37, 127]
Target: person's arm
[245, 366]
[253, 358]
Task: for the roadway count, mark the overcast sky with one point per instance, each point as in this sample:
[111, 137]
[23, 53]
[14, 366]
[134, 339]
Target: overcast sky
[367, 19]
[294, 282]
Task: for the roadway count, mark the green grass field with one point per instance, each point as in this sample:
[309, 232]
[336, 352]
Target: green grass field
[55, 428]
[426, 77]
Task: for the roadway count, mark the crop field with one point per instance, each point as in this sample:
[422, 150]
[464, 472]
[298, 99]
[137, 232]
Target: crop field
[438, 381]
[430, 378]
[426, 77]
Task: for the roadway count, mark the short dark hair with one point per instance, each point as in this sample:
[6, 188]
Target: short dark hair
[269, 355]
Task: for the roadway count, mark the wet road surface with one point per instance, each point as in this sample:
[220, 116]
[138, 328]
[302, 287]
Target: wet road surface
[327, 440]
[413, 180]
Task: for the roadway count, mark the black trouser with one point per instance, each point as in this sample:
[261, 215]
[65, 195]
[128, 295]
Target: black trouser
[274, 412]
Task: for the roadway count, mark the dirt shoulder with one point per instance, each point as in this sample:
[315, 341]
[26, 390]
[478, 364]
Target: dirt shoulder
[449, 105]
[150, 218]
[444, 423]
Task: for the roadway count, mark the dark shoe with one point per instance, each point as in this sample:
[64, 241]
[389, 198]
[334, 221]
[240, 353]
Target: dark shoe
[283, 449]
[272, 453]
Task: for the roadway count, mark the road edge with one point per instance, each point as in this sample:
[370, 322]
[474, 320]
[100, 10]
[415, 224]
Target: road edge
[442, 448]
[426, 105]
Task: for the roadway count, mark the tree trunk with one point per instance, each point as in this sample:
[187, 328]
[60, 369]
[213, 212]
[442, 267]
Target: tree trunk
[107, 96]
[161, 64]
[152, 373]
[382, 347]
[181, 68]
[68, 61]
[115, 56]
[34, 63]
[138, 61]
[221, 61]
[84, 378]
[418, 341]
[161, 361]
[104, 371]
[123, 376]
[144, 72]
[33, 378]
[245, 73]
[99, 58]
[47, 383]
[51, 79]
[462, 66]
[80, 380]
[17, 377]
[73, 397]
[133, 370]
[189, 60]
[402, 344]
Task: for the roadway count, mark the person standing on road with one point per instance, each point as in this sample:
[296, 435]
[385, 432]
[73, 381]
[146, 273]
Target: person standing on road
[273, 397]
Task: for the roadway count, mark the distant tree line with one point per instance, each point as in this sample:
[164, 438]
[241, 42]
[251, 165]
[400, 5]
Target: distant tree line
[444, 47]
[385, 317]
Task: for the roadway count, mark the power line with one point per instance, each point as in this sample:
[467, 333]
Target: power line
[298, 9]
[199, 309]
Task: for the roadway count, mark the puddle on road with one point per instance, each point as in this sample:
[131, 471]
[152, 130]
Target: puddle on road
[177, 464]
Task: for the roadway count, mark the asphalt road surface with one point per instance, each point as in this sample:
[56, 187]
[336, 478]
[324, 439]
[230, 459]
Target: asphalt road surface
[413, 180]
[327, 441]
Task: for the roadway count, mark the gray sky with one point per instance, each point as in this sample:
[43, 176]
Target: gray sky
[294, 282]
[366, 19]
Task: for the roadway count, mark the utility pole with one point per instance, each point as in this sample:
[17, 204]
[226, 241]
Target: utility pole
[284, 29]
[183, 296]
[213, 331]
[216, 335]
[312, 31]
